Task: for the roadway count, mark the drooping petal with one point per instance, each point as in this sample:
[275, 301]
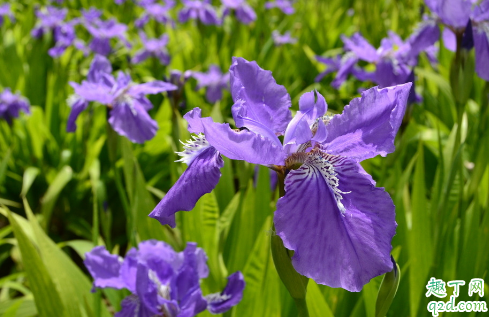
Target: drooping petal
[133, 122]
[265, 101]
[131, 307]
[481, 43]
[368, 125]
[104, 268]
[425, 35]
[245, 14]
[76, 108]
[337, 222]
[192, 304]
[229, 297]
[361, 47]
[140, 57]
[200, 178]
[93, 92]
[150, 88]
[242, 145]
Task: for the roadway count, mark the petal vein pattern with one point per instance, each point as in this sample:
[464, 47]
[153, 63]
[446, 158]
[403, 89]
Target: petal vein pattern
[339, 248]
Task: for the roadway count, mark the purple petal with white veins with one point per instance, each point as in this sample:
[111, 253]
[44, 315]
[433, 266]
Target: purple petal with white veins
[200, 178]
[133, 122]
[265, 101]
[146, 289]
[229, 297]
[104, 268]
[368, 125]
[339, 225]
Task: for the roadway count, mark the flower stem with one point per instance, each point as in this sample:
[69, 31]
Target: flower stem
[295, 283]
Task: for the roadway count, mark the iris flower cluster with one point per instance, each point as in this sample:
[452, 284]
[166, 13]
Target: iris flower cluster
[162, 282]
[126, 100]
[394, 60]
[332, 215]
[11, 105]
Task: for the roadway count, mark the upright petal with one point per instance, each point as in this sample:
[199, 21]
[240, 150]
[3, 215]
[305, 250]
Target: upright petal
[265, 101]
[423, 37]
[104, 268]
[229, 297]
[368, 125]
[337, 222]
[200, 178]
[100, 65]
[299, 129]
[133, 122]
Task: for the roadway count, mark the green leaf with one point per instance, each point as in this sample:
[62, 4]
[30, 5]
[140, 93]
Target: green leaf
[73, 285]
[420, 245]
[46, 296]
[261, 296]
[54, 189]
[318, 307]
[387, 291]
[30, 175]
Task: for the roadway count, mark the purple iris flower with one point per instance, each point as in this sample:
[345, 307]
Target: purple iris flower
[153, 47]
[199, 9]
[214, 80]
[338, 223]
[5, 12]
[156, 11]
[162, 282]
[127, 102]
[284, 5]
[280, 39]
[244, 13]
[48, 20]
[11, 105]
[102, 32]
[64, 36]
[472, 22]
[344, 66]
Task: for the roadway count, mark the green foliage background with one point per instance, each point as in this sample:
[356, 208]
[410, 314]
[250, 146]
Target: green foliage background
[63, 193]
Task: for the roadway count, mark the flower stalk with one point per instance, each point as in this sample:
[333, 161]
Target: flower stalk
[295, 283]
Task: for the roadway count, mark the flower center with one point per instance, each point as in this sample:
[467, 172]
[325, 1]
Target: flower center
[193, 148]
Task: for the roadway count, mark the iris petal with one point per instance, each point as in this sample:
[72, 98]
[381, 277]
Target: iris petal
[337, 222]
[368, 125]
